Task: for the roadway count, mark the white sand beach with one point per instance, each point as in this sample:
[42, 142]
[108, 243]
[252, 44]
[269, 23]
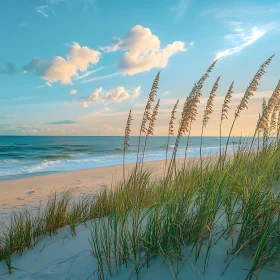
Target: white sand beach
[30, 192]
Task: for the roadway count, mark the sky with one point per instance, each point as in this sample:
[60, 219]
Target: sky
[76, 67]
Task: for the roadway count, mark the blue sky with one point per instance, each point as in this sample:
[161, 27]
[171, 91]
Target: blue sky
[75, 67]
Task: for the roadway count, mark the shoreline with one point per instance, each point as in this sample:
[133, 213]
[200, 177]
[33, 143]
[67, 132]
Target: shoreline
[49, 173]
[29, 192]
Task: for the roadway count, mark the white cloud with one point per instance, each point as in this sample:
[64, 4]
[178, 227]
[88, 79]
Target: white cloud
[42, 10]
[73, 91]
[85, 104]
[93, 98]
[62, 70]
[115, 95]
[143, 50]
[180, 9]
[242, 38]
[88, 73]
[136, 93]
[95, 95]
[48, 84]
[100, 78]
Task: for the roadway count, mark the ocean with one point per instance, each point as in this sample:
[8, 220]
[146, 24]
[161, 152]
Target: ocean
[24, 156]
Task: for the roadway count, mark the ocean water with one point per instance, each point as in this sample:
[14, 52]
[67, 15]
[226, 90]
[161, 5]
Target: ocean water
[23, 156]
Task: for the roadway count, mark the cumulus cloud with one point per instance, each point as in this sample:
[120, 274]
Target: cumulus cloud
[63, 70]
[115, 95]
[241, 38]
[9, 68]
[136, 93]
[73, 91]
[85, 104]
[142, 50]
[93, 98]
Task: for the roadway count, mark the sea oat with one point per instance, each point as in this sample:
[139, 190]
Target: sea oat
[253, 86]
[147, 113]
[264, 104]
[264, 121]
[172, 119]
[273, 121]
[196, 99]
[206, 117]
[150, 130]
[226, 103]
[127, 131]
[189, 112]
[278, 126]
[224, 115]
[151, 99]
[153, 118]
[170, 130]
[209, 106]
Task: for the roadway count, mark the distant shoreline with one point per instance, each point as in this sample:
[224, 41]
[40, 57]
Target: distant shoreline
[26, 157]
[27, 176]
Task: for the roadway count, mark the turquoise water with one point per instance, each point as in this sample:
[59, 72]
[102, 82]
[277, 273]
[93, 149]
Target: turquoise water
[22, 156]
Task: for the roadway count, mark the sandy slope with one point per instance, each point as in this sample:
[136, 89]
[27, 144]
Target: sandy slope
[66, 257]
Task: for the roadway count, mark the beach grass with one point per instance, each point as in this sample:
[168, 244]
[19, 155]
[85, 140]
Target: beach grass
[182, 216]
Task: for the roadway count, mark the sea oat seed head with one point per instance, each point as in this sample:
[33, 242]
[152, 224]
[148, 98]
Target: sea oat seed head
[226, 103]
[171, 123]
[264, 121]
[150, 130]
[151, 99]
[127, 131]
[209, 106]
[253, 86]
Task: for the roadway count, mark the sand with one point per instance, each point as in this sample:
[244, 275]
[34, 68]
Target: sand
[30, 192]
[68, 257]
